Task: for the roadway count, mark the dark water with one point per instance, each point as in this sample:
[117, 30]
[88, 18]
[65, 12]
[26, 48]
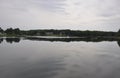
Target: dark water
[28, 58]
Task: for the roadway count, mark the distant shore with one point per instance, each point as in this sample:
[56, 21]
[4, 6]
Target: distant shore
[60, 34]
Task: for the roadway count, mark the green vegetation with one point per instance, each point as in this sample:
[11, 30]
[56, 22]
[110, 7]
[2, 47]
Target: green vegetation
[12, 32]
[1, 30]
[52, 32]
[118, 32]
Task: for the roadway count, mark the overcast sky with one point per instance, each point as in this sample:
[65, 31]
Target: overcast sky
[61, 14]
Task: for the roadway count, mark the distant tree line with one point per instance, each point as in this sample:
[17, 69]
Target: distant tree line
[71, 33]
[10, 31]
[52, 32]
[13, 31]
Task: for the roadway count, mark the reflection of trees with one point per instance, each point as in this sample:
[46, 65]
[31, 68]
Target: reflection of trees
[1, 40]
[118, 43]
[86, 39]
[11, 40]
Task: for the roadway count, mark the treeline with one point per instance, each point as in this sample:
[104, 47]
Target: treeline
[10, 31]
[69, 33]
[77, 33]
[52, 32]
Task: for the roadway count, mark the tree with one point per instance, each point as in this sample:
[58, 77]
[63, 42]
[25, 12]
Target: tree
[16, 31]
[119, 31]
[1, 30]
[9, 31]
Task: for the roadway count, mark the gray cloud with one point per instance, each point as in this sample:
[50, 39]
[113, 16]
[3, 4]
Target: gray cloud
[50, 4]
[109, 8]
[70, 14]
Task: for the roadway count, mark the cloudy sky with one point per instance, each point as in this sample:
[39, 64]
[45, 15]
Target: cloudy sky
[61, 14]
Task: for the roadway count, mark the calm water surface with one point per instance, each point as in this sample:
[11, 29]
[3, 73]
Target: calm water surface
[45, 59]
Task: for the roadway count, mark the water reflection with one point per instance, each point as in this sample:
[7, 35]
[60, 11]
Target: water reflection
[44, 59]
[118, 43]
[10, 40]
[86, 39]
[1, 40]
[48, 68]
